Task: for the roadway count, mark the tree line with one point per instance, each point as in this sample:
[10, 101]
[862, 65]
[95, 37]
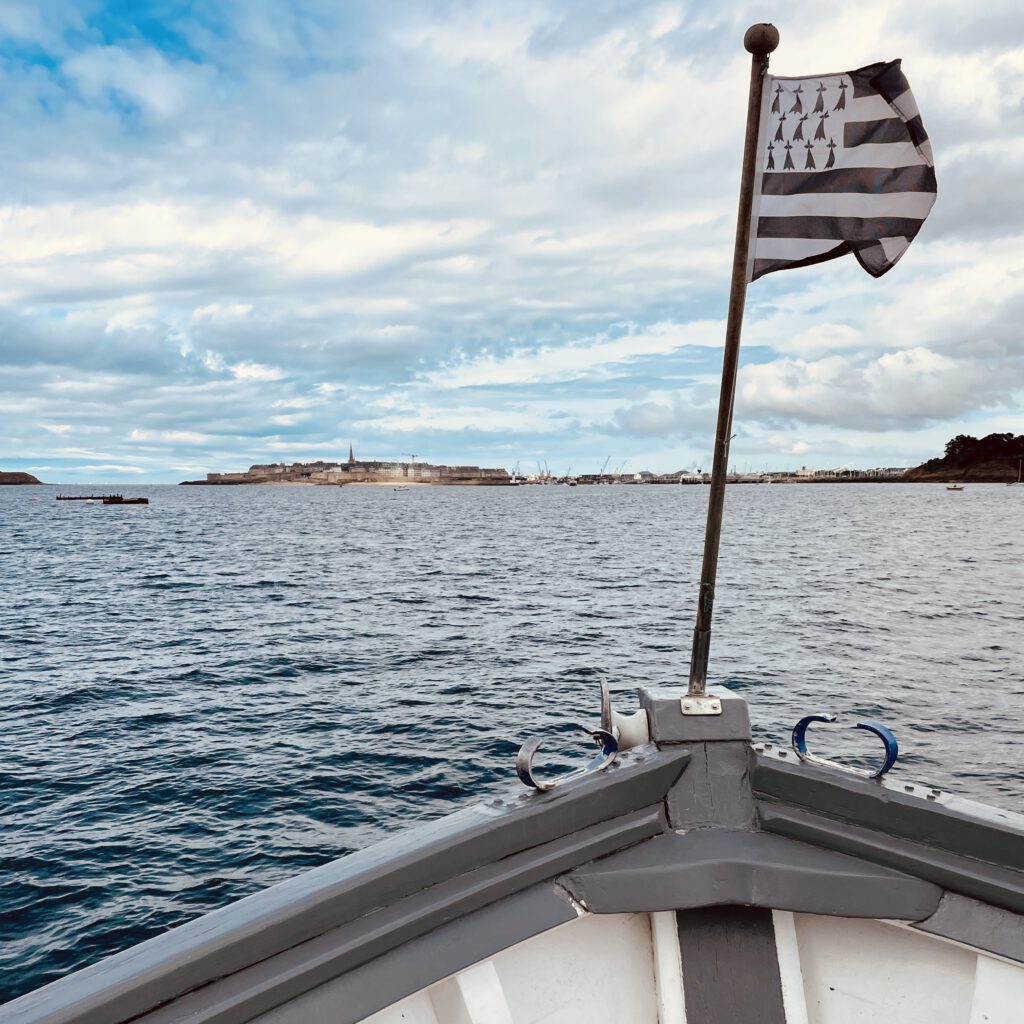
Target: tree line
[965, 450]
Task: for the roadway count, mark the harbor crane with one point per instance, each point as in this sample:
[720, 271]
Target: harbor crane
[411, 456]
[605, 466]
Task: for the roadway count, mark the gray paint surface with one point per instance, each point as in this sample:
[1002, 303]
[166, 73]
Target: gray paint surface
[714, 791]
[423, 961]
[997, 839]
[730, 966]
[716, 867]
[979, 925]
[669, 725]
[999, 886]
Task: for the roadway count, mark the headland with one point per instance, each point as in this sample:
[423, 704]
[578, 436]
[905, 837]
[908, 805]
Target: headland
[996, 458]
[17, 478]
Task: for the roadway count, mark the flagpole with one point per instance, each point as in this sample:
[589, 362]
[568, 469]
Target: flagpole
[759, 41]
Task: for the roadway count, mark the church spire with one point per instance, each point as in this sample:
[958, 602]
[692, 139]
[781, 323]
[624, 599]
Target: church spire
[351, 456]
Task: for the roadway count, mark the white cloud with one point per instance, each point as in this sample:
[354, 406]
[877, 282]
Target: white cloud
[811, 340]
[671, 416]
[913, 385]
[429, 418]
[298, 447]
[135, 318]
[397, 331]
[222, 311]
[141, 76]
[255, 371]
[299, 402]
[170, 436]
[110, 468]
[594, 358]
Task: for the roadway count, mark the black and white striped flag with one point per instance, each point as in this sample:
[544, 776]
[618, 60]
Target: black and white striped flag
[845, 166]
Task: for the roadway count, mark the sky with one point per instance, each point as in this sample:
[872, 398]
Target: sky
[477, 233]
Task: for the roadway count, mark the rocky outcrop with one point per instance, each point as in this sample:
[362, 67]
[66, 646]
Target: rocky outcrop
[18, 478]
[988, 472]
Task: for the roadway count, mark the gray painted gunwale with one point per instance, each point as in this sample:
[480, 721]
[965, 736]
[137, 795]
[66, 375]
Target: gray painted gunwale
[981, 880]
[977, 925]
[962, 828]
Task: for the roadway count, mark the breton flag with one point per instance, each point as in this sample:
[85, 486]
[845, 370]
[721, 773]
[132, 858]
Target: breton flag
[845, 166]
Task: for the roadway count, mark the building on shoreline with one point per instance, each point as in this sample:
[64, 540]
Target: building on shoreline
[356, 471]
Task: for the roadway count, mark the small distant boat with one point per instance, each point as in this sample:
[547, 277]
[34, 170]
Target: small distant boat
[401, 487]
[118, 500]
[951, 486]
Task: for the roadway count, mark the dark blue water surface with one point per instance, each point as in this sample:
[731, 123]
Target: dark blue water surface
[206, 695]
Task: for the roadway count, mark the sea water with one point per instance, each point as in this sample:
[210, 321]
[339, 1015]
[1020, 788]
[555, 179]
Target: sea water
[203, 696]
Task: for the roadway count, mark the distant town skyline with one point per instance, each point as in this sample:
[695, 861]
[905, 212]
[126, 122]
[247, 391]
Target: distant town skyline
[542, 467]
[483, 234]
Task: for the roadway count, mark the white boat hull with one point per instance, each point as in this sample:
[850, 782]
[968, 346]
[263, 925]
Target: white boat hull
[626, 967]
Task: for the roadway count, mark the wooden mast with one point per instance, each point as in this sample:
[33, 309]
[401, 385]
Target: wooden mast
[759, 41]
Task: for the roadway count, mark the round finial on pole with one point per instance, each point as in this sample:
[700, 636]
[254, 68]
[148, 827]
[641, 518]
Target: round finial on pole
[761, 39]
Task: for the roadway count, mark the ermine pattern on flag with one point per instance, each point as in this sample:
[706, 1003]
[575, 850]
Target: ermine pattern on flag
[845, 166]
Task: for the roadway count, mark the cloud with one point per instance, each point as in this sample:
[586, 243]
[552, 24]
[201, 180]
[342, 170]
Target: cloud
[112, 74]
[676, 416]
[111, 468]
[255, 371]
[189, 437]
[222, 311]
[913, 386]
[821, 337]
[595, 357]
